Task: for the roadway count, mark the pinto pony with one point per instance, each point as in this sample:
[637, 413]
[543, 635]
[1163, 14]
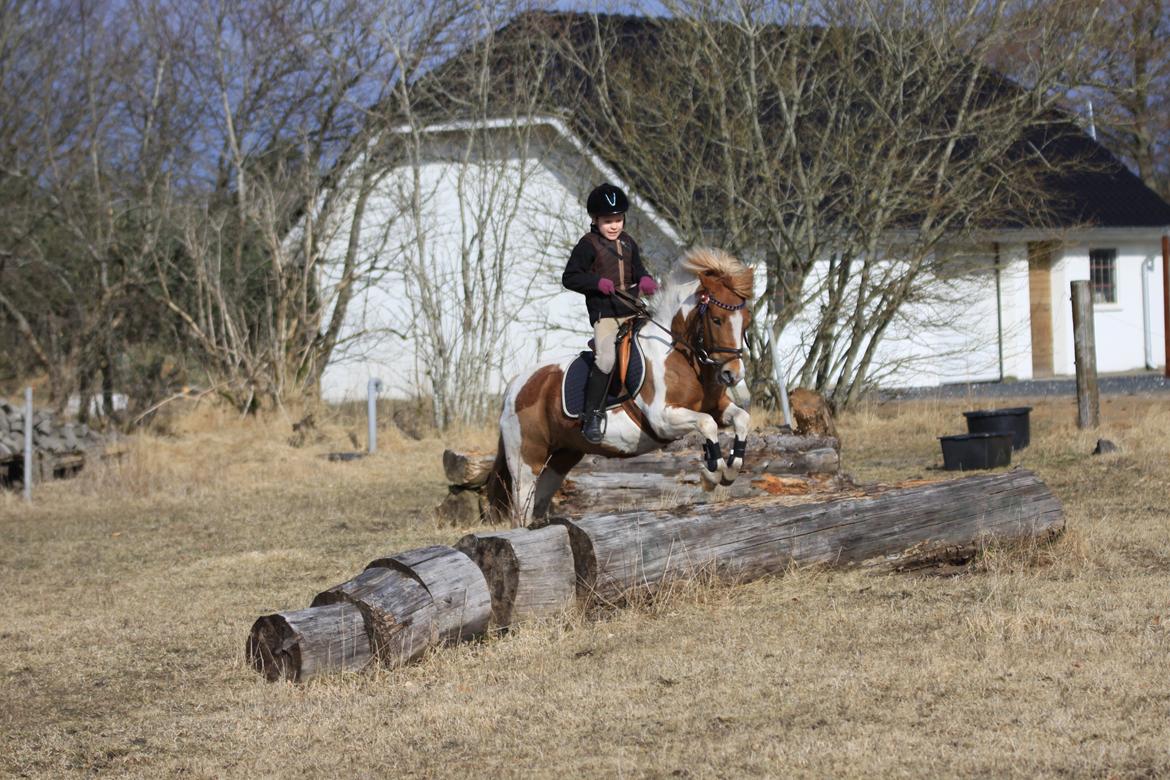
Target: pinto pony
[693, 353]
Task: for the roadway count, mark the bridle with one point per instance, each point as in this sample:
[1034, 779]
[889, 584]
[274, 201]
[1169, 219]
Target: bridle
[699, 333]
[702, 332]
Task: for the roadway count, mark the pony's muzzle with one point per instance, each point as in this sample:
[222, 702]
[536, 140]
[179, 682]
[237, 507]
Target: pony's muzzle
[729, 378]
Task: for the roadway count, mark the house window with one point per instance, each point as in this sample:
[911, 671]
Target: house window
[1103, 275]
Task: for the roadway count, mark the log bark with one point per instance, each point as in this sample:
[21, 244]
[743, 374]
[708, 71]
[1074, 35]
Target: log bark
[463, 605]
[530, 574]
[468, 469]
[399, 613]
[618, 553]
[298, 646]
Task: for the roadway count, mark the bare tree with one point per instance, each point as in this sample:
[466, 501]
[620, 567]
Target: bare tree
[861, 138]
[1125, 78]
[81, 170]
[287, 89]
[462, 190]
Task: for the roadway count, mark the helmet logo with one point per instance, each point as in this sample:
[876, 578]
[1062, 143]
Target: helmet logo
[611, 198]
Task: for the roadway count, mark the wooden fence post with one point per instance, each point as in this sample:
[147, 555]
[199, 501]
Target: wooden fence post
[1085, 348]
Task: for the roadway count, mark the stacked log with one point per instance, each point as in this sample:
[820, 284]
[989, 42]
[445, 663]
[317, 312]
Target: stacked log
[59, 448]
[668, 477]
[403, 604]
[530, 574]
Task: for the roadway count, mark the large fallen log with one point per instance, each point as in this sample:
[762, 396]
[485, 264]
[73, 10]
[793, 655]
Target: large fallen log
[767, 453]
[390, 611]
[617, 553]
[668, 477]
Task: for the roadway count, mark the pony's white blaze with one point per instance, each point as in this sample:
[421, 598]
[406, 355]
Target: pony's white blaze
[736, 366]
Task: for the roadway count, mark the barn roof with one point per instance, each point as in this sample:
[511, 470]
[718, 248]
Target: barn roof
[1087, 184]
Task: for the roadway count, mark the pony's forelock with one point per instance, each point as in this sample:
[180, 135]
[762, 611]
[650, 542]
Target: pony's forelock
[734, 275]
[684, 276]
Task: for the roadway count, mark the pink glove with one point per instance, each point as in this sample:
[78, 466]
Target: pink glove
[647, 286]
[605, 286]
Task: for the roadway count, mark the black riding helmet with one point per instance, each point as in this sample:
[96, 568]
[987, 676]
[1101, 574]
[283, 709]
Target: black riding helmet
[607, 199]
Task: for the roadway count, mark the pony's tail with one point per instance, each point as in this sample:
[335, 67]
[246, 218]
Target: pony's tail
[499, 488]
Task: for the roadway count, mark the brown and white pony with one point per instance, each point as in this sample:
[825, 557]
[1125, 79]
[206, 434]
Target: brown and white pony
[692, 357]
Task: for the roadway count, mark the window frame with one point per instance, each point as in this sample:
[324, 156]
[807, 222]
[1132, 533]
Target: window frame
[1103, 276]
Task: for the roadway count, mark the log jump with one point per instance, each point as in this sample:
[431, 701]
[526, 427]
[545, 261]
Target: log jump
[667, 477]
[404, 603]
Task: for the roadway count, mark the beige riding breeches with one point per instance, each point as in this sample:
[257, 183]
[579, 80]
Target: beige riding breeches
[604, 332]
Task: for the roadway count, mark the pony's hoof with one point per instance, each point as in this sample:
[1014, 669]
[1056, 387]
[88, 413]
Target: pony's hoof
[709, 479]
[729, 472]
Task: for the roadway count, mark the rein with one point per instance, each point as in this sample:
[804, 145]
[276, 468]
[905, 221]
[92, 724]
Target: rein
[697, 346]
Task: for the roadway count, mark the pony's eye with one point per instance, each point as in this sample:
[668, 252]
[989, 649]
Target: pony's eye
[717, 320]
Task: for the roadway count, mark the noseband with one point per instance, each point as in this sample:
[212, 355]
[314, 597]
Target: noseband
[702, 332]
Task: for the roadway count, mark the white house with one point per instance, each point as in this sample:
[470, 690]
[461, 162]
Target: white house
[475, 237]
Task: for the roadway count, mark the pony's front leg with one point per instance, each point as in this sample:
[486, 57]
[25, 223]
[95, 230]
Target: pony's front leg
[677, 422]
[741, 421]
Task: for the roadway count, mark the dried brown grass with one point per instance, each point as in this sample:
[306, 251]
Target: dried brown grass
[127, 595]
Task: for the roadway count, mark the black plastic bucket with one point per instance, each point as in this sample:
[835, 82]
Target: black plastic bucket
[1013, 421]
[969, 451]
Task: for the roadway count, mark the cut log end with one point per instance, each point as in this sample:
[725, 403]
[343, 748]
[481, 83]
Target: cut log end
[398, 612]
[273, 649]
[584, 561]
[297, 646]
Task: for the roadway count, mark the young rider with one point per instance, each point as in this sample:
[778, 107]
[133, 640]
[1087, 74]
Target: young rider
[605, 260]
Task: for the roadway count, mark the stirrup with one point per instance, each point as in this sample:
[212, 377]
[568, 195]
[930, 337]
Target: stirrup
[594, 420]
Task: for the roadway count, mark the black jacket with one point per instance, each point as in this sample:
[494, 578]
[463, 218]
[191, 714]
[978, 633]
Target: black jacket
[595, 258]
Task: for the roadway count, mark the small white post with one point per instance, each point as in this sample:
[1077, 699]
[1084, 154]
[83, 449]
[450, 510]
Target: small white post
[372, 388]
[28, 443]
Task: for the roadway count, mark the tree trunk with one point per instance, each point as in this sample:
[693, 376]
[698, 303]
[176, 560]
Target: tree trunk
[386, 613]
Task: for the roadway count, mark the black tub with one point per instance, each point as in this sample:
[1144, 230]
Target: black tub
[969, 451]
[1013, 421]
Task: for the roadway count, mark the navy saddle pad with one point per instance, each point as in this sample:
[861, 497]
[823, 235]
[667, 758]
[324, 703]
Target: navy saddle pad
[577, 374]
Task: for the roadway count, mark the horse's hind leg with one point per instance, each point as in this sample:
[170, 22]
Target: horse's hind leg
[559, 465]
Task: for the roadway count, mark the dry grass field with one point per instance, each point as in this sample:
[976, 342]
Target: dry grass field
[127, 593]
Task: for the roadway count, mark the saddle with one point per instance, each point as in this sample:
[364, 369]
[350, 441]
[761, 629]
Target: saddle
[629, 370]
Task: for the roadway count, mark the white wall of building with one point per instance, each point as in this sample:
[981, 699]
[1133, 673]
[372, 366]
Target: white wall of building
[956, 337]
[1122, 328]
[539, 199]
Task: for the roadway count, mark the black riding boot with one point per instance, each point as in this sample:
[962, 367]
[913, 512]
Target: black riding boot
[593, 415]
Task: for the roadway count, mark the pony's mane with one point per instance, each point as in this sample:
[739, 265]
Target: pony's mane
[684, 276]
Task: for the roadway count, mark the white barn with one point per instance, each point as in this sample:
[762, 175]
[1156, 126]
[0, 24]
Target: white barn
[472, 232]
[1016, 321]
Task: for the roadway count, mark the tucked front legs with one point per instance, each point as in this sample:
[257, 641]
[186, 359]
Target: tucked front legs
[676, 422]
